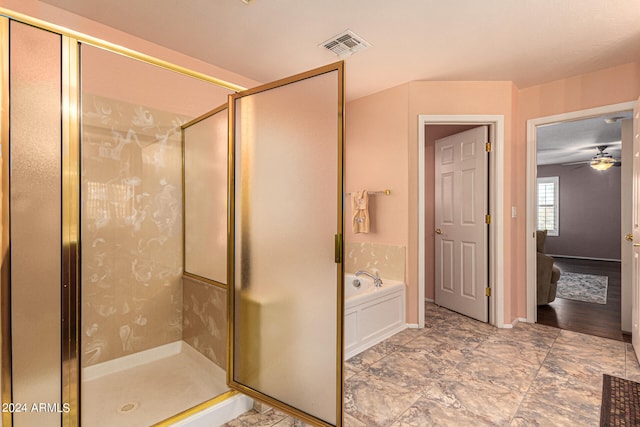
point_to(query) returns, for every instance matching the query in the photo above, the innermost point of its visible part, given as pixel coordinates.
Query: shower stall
(93, 176)
(147, 331)
(151, 258)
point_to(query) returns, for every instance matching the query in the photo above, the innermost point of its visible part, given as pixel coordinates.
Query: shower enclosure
(102, 328)
(140, 230)
(146, 333)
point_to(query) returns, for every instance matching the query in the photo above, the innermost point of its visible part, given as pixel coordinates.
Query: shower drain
(128, 407)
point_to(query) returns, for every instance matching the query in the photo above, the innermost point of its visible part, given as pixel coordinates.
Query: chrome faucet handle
(377, 280)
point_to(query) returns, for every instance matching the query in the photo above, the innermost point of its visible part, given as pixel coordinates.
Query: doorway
(461, 208)
(425, 210)
(560, 150)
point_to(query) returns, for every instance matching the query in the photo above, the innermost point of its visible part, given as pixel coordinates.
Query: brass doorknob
(629, 237)
(438, 231)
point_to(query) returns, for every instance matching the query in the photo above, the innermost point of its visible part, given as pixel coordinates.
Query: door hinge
(487, 291)
(487, 219)
(487, 147)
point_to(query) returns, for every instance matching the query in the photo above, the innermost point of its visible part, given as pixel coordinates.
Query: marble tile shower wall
(205, 319)
(131, 225)
(388, 260)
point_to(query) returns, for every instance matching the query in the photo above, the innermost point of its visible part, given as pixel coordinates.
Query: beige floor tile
(516, 376)
(460, 372)
(568, 392)
(257, 419)
(426, 412)
(413, 370)
(483, 401)
(536, 412)
(375, 402)
(632, 368)
(510, 351)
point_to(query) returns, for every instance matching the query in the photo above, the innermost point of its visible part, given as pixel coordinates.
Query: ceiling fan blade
(583, 162)
(618, 163)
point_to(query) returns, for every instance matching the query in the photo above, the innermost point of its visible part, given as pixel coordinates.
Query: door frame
(532, 124)
(337, 245)
(496, 206)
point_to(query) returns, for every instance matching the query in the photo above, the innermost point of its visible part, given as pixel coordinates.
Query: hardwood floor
(603, 320)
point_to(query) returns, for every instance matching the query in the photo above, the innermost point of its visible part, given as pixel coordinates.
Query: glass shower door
(285, 288)
(205, 175)
(152, 344)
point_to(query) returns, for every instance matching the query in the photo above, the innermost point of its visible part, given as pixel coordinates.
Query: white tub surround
(372, 314)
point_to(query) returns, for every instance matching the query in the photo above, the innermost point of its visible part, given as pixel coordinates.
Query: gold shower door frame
(5, 273)
(70, 346)
(68, 138)
(252, 318)
(70, 185)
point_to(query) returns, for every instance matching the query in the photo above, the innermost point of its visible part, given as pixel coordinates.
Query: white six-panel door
(461, 207)
(635, 274)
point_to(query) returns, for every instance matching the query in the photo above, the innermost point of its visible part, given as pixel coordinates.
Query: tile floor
(460, 372)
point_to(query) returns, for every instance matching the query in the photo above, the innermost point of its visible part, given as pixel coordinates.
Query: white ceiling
(524, 41)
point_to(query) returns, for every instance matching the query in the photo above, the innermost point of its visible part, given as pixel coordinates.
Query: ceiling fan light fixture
(602, 163)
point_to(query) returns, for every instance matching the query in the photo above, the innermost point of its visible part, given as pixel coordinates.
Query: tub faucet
(376, 279)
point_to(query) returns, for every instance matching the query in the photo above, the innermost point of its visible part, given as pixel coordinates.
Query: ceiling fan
(601, 161)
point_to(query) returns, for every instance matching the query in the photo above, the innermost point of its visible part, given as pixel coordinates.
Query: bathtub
(371, 314)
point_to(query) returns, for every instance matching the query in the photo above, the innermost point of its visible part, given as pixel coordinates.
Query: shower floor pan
(151, 386)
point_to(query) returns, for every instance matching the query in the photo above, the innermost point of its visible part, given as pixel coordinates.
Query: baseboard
(429, 300)
(413, 325)
(584, 257)
(518, 320)
(512, 324)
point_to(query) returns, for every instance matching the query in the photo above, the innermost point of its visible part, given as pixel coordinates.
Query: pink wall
(384, 121)
(600, 88)
(60, 17)
(376, 134)
(604, 87)
(457, 98)
(382, 146)
(117, 77)
(127, 79)
(376, 159)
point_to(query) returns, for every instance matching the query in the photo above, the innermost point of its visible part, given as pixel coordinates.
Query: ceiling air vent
(345, 44)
